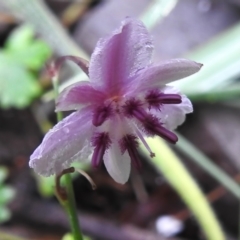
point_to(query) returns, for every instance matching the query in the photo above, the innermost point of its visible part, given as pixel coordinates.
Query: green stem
(177, 175)
(69, 204)
(70, 207)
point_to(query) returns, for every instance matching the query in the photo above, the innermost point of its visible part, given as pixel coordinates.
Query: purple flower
(125, 99)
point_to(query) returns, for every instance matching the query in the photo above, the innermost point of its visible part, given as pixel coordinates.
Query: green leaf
(25, 50)
(22, 53)
(20, 38)
(33, 56)
(7, 194)
(5, 214)
(17, 85)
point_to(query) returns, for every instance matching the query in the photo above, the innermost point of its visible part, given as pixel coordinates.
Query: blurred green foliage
(6, 195)
(20, 60)
(68, 236)
(218, 80)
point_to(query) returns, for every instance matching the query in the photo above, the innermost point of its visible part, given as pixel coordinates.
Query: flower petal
(68, 141)
(78, 95)
(119, 56)
(163, 73)
(173, 115)
(117, 164)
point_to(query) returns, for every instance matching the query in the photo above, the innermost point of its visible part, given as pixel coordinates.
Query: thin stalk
(180, 179)
(203, 161)
(70, 207)
(68, 204)
(56, 92)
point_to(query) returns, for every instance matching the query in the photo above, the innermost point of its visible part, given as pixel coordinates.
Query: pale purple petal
(163, 73)
(68, 141)
(78, 95)
(117, 164)
(173, 115)
(119, 56)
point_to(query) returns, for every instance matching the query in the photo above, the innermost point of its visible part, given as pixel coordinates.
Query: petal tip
(200, 65)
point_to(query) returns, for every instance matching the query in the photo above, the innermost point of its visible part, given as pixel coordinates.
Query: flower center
(115, 98)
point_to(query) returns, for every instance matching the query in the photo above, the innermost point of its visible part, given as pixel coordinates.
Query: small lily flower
(125, 99)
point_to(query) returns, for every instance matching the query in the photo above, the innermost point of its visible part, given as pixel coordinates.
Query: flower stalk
(70, 207)
(177, 175)
(69, 203)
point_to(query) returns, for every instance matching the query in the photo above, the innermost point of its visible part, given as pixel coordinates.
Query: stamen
(101, 142)
(166, 134)
(100, 115)
(170, 99)
(156, 98)
(152, 154)
(133, 108)
(129, 142)
(153, 126)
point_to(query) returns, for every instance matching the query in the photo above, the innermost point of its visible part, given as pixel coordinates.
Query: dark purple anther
(129, 142)
(153, 126)
(166, 134)
(100, 115)
(139, 113)
(101, 142)
(133, 108)
(155, 98)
